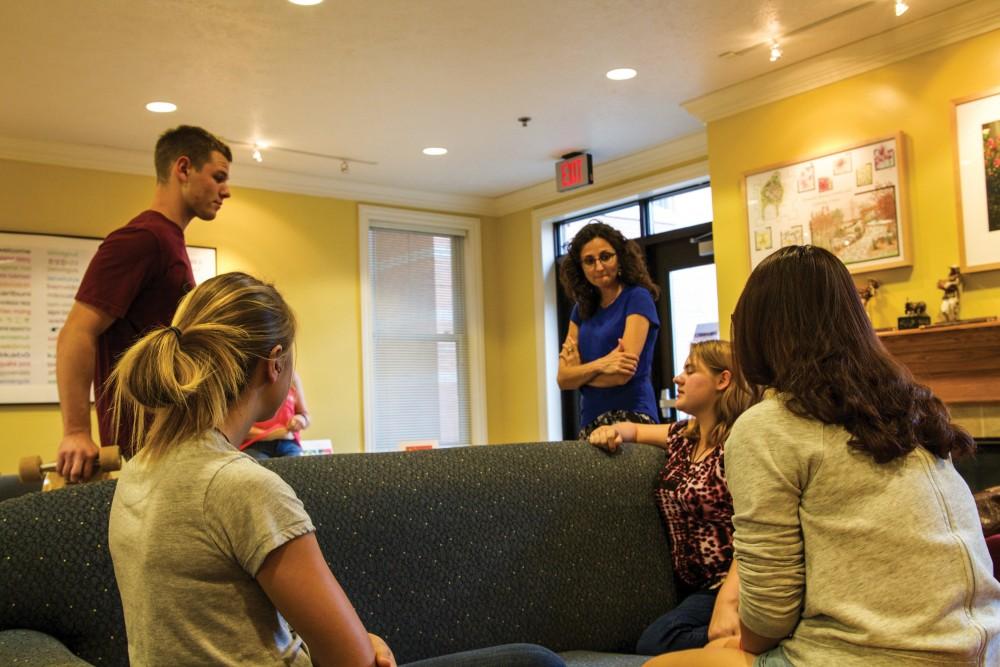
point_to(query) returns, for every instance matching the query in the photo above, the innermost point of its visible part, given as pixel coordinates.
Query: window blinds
(420, 347)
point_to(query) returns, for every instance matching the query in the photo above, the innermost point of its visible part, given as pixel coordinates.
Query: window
(421, 330)
(653, 215)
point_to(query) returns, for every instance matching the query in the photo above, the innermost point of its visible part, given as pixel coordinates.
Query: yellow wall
(509, 297)
(913, 96)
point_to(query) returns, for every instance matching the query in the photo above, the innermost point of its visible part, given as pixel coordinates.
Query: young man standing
(133, 284)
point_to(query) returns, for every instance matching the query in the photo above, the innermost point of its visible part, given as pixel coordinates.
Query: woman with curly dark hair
(857, 542)
(608, 351)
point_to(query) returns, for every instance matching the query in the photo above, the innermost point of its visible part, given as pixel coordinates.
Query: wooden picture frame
(976, 128)
(851, 201)
(40, 274)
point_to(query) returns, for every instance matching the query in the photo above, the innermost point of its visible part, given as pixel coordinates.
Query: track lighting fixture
(775, 50)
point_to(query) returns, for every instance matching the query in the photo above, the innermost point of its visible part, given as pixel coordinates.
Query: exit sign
(574, 171)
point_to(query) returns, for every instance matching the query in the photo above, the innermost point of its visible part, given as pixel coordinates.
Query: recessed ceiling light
(161, 107)
(775, 51)
(435, 150)
(305, 3)
(621, 74)
(901, 7)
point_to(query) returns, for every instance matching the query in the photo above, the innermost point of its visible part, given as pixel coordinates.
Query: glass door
(682, 263)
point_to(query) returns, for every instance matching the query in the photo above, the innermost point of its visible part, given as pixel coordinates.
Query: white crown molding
(933, 32)
(106, 158)
(678, 151)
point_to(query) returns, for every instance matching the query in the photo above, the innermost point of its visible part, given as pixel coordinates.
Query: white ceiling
(379, 80)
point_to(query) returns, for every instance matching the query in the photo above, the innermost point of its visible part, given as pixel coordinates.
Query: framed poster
(850, 201)
(977, 171)
(39, 276)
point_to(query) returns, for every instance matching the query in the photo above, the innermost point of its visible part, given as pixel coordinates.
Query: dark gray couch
(440, 551)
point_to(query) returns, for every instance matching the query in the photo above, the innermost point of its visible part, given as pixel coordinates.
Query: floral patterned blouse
(696, 506)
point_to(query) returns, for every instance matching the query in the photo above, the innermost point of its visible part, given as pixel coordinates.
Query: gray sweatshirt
(861, 563)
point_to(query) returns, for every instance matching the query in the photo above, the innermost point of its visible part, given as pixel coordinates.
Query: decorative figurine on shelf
(869, 296)
(916, 315)
(950, 300)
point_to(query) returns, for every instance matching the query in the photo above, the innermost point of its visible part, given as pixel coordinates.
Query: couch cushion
(56, 572)
(442, 551)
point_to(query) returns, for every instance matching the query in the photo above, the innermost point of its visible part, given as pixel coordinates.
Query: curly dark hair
(631, 265)
(800, 328)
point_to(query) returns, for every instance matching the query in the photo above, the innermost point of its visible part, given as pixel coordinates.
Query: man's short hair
(194, 142)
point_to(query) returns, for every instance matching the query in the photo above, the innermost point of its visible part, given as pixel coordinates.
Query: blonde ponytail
(185, 377)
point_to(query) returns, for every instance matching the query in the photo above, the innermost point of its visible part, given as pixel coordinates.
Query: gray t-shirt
(188, 533)
(865, 564)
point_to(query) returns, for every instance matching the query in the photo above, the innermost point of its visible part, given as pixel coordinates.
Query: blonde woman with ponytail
(693, 499)
(212, 551)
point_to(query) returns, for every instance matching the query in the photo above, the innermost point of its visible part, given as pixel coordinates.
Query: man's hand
(383, 654)
(76, 457)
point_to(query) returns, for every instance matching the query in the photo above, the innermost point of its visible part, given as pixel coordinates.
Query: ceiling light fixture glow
(305, 3)
(161, 107)
(256, 155)
(621, 74)
(775, 51)
(435, 150)
(901, 7)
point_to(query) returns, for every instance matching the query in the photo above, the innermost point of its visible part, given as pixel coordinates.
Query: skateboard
(31, 469)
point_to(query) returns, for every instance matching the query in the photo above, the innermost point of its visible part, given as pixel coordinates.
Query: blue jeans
(507, 655)
(773, 658)
(273, 449)
(683, 627)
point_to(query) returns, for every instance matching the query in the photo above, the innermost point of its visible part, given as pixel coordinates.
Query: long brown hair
(800, 328)
(187, 376)
(717, 356)
(631, 265)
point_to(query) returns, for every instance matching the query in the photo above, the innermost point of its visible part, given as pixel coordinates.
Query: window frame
(432, 223)
(644, 204)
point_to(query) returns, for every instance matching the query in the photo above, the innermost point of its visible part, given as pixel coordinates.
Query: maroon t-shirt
(138, 276)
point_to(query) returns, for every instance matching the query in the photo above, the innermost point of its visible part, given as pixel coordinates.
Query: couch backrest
(440, 551)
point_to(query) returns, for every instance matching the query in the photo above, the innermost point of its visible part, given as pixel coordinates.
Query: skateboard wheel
(110, 458)
(30, 469)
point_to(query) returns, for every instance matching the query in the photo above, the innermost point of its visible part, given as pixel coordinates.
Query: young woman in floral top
(693, 499)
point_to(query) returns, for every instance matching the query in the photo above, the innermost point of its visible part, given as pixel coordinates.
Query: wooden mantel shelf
(960, 363)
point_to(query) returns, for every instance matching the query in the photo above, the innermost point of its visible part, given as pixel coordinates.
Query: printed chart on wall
(849, 202)
(39, 276)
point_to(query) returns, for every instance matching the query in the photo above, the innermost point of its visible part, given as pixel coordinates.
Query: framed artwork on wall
(850, 201)
(977, 172)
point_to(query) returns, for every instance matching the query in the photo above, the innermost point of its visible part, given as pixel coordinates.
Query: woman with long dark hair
(608, 350)
(857, 542)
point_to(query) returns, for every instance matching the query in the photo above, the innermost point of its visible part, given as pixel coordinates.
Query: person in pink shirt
(279, 435)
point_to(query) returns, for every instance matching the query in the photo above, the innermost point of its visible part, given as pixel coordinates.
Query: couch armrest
(29, 647)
